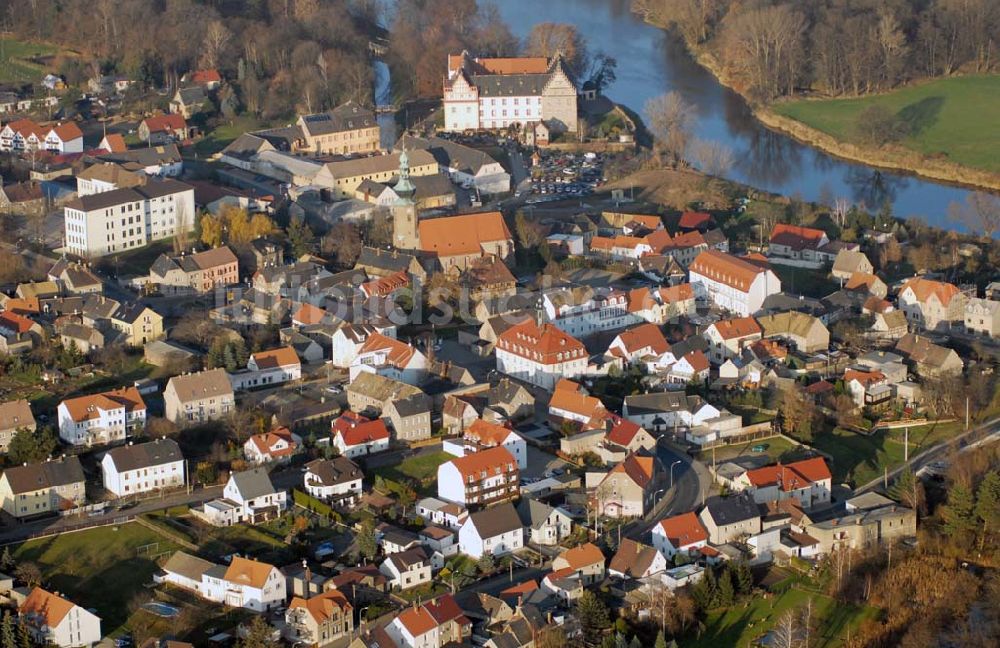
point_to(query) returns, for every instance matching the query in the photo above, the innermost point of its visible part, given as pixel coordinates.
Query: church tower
(404, 210)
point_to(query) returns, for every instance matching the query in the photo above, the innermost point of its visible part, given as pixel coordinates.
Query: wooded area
(837, 47)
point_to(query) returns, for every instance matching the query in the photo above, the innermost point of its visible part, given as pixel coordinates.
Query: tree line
(837, 47)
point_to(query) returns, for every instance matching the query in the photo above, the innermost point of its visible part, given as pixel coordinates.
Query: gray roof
(145, 455)
(405, 559)
(447, 153)
(534, 513)
(334, 471)
(672, 401)
(253, 483)
(188, 566)
(152, 189)
(81, 332)
(195, 95)
(99, 307)
(414, 405)
(349, 116)
(164, 154)
(129, 312)
(48, 474)
(204, 384)
(730, 510)
(496, 520)
(247, 145)
(389, 261)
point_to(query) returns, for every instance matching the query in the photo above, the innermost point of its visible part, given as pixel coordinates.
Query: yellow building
(139, 323)
(348, 128)
(40, 488)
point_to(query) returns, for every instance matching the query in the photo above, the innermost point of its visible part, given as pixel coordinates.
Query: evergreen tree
(367, 545)
(6, 560)
(216, 353)
(229, 358)
(958, 515)
(8, 631)
(593, 613)
(636, 642)
(23, 636)
(908, 489)
(300, 237)
(661, 641)
(988, 505)
(726, 594)
(743, 576)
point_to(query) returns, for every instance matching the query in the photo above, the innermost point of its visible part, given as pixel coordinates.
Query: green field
(957, 117)
(223, 135)
(101, 568)
(16, 65)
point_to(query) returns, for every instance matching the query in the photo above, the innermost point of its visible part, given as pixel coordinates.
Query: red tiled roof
(796, 236)
(622, 431)
(309, 314)
(462, 235)
(266, 441)
(165, 123)
(694, 220)
(545, 345)
(737, 328)
(16, 322)
(924, 288)
(274, 358)
(697, 359)
(204, 77)
(398, 353)
(642, 336)
(792, 476)
(683, 530)
(583, 556)
(866, 378)
(473, 465)
(638, 468)
(84, 408)
(116, 142)
(486, 433)
(358, 430)
(726, 269)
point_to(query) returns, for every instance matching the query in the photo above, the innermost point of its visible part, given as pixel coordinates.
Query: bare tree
(671, 118)
(217, 37)
(549, 39)
(841, 207)
(765, 44)
(981, 213)
(787, 633)
(714, 158)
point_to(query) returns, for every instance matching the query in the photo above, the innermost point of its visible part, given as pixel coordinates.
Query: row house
(26, 135)
(481, 478)
(434, 624)
(198, 273)
(731, 283)
(101, 418)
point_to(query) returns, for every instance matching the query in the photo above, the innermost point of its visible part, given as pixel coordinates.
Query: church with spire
(404, 209)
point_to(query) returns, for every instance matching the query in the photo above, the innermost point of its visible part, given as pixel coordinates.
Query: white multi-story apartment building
(101, 418)
(493, 93)
(124, 219)
(144, 467)
(483, 478)
(583, 311)
(540, 355)
(732, 283)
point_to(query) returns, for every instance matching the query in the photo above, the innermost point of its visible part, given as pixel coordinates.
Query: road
(285, 479)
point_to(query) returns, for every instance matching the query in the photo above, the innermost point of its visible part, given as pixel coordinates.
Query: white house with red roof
(26, 135)
(52, 620)
(386, 356)
(664, 304)
(731, 283)
(101, 418)
(433, 624)
(643, 344)
(931, 305)
(65, 137)
(481, 478)
(865, 386)
(268, 369)
(808, 482)
(571, 402)
(728, 337)
(679, 534)
(276, 445)
(627, 489)
(798, 243)
(540, 354)
(481, 435)
(356, 436)
(692, 367)
(347, 341)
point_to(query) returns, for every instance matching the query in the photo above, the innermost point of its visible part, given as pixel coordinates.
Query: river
(383, 97)
(651, 62)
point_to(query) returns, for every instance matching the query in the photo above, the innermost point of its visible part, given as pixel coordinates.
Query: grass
(742, 625)
(98, 568)
(777, 448)
(955, 117)
(804, 281)
(222, 135)
(421, 469)
(858, 459)
(16, 66)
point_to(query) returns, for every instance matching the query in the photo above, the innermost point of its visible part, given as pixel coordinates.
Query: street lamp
(672, 472)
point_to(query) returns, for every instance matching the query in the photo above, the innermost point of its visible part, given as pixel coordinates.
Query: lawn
(777, 448)
(742, 625)
(16, 66)
(858, 459)
(421, 468)
(99, 568)
(804, 281)
(956, 116)
(222, 135)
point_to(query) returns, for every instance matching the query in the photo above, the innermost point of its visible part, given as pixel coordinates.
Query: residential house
(407, 569)
(731, 283)
(200, 272)
(982, 317)
(347, 129)
(53, 620)
(931, 305)
(797, 243)
(107, 176)
(582, 311)
(277, 445)
(464, 165)
(143, 467)
(587, 560)
(564, 584)
(628, 489)
(868, 283)
(504, 402)
(406, 409)
(164, 129)
(930, 360)
(337, 480)
(136, 324)
(850, 262)
(808, 482)
(75, 278)
(357, 436)
(666, 411)
(546, 525)
(889, 327)
(245, 583)
(434, 624)
(320, 620)
(481, 435)
(636, 561)
(188, 102)
(101, 418)
(494, 531)
(727, 519)
(540, 354)
(485, 477)
(199, 397)
(389, 357)
(15, 416)
(267, 369)
(806, 332)
(248, 496)
(47, 487)
(728, 337)
(65, 137)
(682, 534)
(863, 528)
(867, 388)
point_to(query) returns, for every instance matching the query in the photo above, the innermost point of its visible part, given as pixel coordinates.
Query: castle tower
(404, 210)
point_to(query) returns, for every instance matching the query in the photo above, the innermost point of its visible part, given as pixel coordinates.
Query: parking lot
(565, 175)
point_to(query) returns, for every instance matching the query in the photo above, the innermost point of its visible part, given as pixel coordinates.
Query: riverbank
(890, 157)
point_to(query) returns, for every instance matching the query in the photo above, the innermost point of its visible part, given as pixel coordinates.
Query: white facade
(253, 377)
(97, 228)
(734, 299)
(141, 480)
(599, 313)
(78, 627)
(537, 373)
(102, 425)
(472, 544)
(359, 449)
(662, 543)
(315, 487)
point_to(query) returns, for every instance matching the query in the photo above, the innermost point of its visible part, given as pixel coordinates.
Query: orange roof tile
(638, 468)
(583, 556)
(16, 322)
(116, 142)
(860, 280)
(356, 433)
(546, 345)
(266, 441)
(692, 220)
(382, 286)
(642, 336)
(602, 243)
(67, 131)
(309, 314)
(321, 606)
(165, 123)
(398, 354)
(417, 621)
(464, 234)
(622, 430)
(84, 408)
(796, 236)
(22, 306)
(697, 359)
(793, 476)
(203, 77)
(678, 293)
(489, 461)
(248, 572)
(274, 358)
(486, 433)
(683, 530)
(737, 328)
(866, 378)
(505, 65)
(924, 288)
(687, 240)
(726, 269)
(576, 402)
(46, 606)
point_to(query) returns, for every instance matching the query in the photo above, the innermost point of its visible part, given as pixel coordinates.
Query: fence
(167, 532)
(83, 526)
